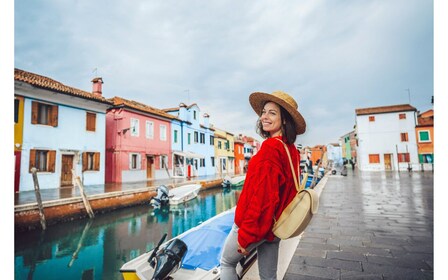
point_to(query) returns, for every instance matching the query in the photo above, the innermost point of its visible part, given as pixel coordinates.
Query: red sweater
(268, 188)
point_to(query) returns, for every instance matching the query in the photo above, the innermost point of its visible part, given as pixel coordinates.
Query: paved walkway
(370, 225)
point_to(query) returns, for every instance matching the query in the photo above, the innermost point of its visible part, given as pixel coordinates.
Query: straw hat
(258, 99)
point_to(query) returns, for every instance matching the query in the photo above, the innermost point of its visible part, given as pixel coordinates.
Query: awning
(188, 154)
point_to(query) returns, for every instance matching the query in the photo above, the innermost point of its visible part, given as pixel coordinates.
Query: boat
(195, 254)
(237, 181)
(183, 193)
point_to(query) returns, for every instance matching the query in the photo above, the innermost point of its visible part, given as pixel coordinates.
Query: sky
(331, 56)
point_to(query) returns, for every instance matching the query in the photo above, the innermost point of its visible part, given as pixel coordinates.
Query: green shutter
(424, 135)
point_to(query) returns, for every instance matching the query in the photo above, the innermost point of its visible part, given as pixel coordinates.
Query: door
(66, 170)
(149, 167)
(388, 162)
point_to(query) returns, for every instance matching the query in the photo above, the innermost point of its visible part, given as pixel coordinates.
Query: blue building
(64, 129)
(192, 142)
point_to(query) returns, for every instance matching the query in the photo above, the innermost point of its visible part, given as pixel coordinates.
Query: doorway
(66, 170)
(388, 162)
(149, 167)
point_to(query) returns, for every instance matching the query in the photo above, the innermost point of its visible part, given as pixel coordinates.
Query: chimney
(206, 120)
(183, 111)
(97, 86)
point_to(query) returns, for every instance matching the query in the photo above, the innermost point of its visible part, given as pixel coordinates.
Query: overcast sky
(332, 56)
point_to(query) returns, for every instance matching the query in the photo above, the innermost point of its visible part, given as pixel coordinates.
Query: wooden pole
(38, 198)
(83, 194)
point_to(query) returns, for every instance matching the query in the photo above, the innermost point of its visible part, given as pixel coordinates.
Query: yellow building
(18, 138)
(224, 152)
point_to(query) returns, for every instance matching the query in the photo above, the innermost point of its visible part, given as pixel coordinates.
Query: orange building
(239, 154)
(425, 139)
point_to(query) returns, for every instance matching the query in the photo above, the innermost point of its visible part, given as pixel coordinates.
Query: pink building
(138, 142)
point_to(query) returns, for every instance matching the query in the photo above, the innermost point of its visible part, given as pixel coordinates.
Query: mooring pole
(38, 198)
(83, 194)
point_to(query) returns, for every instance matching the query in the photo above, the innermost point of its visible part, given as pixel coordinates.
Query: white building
(386, 138)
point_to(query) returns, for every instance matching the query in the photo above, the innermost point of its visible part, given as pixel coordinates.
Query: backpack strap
(296, 183)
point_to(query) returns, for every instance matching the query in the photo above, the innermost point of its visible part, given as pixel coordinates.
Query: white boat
(237, 181)
(195, 254)
(183, 193)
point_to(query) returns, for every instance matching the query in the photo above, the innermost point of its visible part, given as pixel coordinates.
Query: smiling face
(271, 119)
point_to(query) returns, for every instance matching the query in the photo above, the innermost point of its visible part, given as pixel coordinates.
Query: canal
(97, 248)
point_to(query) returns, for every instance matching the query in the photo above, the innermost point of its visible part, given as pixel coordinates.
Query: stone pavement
(370, 225)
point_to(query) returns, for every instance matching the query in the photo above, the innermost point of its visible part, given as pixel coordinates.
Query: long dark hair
(288, 127)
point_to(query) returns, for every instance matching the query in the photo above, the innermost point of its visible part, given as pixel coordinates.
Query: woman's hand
(242, 250)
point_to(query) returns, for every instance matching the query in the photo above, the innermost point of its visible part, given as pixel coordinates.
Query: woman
(269, 185)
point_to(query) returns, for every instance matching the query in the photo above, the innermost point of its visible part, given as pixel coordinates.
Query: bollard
(83, 194)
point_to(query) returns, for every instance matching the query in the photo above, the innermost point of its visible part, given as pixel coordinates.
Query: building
(138, 142)
(386, 138)
(239, 154)
(58, 129)
(425, 139)
(193, 141)
(224, 152)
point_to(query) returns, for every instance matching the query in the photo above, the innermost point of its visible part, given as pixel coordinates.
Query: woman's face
(271, 119)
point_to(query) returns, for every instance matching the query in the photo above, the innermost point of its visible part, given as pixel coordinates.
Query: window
(371, 118)
(175, 136)
(402, 116)
(213, 161)
(219, 144)
(202, 162)
(189, 138)
(374, 158)
(196, 136)
(134, 161)
(90, 121)
(135, 127)
(42, 160)
(423, 136)
(163, 132)
(212, 140)
(45, 114)
(404, 137)
(163, 161)
(426, 158)
(149, 131)
(16, 110)
(90, 161)
(403, 157)
(194, 114)
(202, 138)
(227, 145)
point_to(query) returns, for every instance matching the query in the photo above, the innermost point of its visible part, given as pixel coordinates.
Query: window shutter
(96, 161)
(34, 110)
(54, 115)
(130, 161)
(51, 161)
(84, 161)
(32, 159)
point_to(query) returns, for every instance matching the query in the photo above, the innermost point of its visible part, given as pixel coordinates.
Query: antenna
(409, 95)
(95, 70)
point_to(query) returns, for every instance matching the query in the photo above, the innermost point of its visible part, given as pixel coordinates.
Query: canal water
(97, 248)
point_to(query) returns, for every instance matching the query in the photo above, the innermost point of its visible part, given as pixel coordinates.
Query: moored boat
(237, 181)
(183, 193)
(201, 261)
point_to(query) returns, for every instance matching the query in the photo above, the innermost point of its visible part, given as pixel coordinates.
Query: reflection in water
(96, 249)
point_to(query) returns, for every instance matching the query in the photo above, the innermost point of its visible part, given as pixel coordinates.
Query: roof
(117, 101)
(50, 84)
(178, 107)
(385, 109)
(426, 118)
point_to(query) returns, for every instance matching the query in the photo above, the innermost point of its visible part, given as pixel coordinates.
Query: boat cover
(205, 244)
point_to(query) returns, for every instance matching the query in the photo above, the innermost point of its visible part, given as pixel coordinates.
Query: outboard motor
(226, 182)
(161, 198)
(168, 260)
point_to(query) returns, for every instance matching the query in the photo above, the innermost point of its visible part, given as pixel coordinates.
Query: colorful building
(138, 142)
(63, 130)
(18, 138)
(386, 138)
(239, 154)
(425, 139)
(193, 138)
(224, 152)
